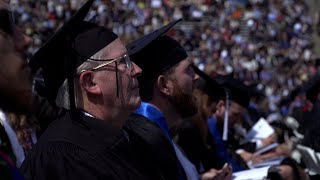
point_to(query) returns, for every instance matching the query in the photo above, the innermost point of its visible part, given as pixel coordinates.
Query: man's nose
(136, 71)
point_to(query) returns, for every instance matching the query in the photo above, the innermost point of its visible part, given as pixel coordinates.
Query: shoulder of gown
(81, 149)
(152, 148)
(63, 160)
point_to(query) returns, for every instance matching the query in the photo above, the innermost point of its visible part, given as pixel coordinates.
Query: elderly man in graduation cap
(86, 70)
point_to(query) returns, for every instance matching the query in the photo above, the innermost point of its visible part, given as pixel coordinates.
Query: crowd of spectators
(266, 43)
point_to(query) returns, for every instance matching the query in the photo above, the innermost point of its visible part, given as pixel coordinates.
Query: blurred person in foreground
(87, 71)
(15, 76)
(22, 110)
(15, 89)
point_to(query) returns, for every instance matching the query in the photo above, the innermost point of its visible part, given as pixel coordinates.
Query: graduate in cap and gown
(166, 87)
(193, 134)
(229, 112)
(86, 70)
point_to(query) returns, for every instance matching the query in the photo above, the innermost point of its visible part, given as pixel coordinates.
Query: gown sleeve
(61, 160)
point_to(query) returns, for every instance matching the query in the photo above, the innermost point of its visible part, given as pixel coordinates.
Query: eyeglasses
(122, 63)
(7, 21)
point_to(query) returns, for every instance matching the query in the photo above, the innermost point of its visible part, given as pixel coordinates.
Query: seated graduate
(195, 137)
(229, 112)
(166, 91)
(86, 70)
(226, 124)
(193, 133)
(166, 88)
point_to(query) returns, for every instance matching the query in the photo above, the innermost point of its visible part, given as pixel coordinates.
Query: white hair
(63, 99)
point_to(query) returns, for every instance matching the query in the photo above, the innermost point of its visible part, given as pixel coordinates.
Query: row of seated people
(203, 152)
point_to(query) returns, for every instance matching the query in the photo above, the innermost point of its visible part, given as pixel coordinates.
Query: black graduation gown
(311, 128)
(149, 143)
(310, 119)
(84, 148)
(45, 112)
(200, 154)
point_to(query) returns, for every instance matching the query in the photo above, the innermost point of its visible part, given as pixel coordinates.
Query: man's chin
(186, 106)
(134, 103)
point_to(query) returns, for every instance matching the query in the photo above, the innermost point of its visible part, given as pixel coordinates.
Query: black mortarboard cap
(69, 47)
(208, 85)
(236, 89)
(155, 53)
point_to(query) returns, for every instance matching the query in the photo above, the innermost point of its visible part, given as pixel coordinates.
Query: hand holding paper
(223, 174)
(260, 130)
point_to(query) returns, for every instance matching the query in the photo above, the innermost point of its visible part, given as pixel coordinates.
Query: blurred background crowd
(267, 44)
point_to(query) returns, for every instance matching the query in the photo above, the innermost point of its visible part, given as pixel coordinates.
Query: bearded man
(166, 88)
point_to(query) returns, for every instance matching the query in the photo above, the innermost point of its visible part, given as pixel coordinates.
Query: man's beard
(185, 104)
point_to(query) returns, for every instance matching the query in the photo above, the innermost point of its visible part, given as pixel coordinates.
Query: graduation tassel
(226, 118)
(70, 65)
(117, 80)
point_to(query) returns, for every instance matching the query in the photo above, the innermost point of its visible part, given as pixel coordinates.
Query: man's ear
(86, 80)
(163, 84)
